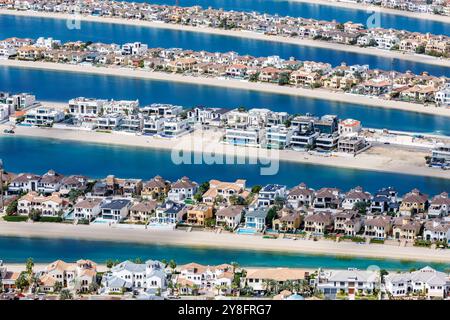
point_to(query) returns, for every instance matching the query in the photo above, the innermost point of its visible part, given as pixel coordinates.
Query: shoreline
(239, 34)
(366, 7)
(232, 84)
(204, 239)
(375, 159)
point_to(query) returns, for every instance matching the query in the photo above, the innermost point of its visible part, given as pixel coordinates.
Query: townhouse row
(154, 278)
(356, 79)
(234, 207)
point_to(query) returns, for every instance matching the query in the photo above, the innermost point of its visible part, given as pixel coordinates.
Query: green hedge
(378, 241)
(422, 243)
(50, 219)
(15, 218)
(358, 239)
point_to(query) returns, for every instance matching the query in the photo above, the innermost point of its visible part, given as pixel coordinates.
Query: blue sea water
(62, 86)
(17, 250)
(38, 155)
(32, 27)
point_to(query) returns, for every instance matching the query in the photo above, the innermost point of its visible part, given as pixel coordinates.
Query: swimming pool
(246, 231)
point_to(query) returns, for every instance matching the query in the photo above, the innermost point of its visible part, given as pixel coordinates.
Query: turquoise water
(11, 26)
(39, 155)
(17, 250)
(62, 86)
(314, 11)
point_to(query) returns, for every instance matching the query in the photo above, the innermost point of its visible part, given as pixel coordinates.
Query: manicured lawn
(50, 219)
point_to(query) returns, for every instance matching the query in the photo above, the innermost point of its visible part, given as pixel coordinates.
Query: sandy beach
(221, 240)
(241, 34)
(233, 84)
(370, 8)
(207, 143)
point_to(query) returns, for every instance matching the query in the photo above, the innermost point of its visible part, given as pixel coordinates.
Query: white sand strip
(220, 241)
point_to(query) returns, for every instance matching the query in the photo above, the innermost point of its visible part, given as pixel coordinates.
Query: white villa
(427, 281)
(149, 277)
(350, 281)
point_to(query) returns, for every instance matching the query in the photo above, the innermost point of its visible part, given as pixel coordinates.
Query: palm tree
(235, 266)
(172, 265)
(65, 295)
(29, 268)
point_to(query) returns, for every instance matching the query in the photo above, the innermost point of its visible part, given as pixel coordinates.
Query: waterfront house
(287, 221)
(303, 140)
(426, 281)
(182, 190)
(352, 145)
(50, 182)
(230, 216)
(271, 193)
(51, 206)
(99, 189)
(199, 215)
(349, 127)
(74, 276)
(224, 190)
(18, 101)
(24, 182)
(127, 275)
(143, 211)
(73, 182)
(30, 53)
(132, 123)
(406, 229)
(109, 121)
(260, 279)
(413, 202)
(385, 200)
(348, 223)
(125, 107)
(303, 78)
(354, 197)
(326, 142)
(439, 206)
(162, 110)
(115, 210)
(124, 187)
(86, 107)
(255, 219)
(300, 196)
(243, 135)
(442, 96)
(318, 223)
(155, 188)
(153, 125)
(436, 230)
(278, 137)
(327, 198)
(43, 116)
(351, 282)
(87, 209)
(378, 227)
(205, 278)
(7, 278)
(440, 154)
(169, 213)
(208, 116)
